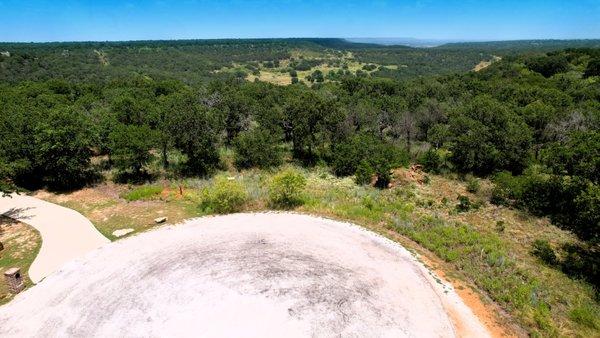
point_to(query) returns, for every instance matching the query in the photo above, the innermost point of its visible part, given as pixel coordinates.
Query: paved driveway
(65, 233)
(244, 275)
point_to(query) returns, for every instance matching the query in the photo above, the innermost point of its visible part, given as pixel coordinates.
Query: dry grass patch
(21, 245)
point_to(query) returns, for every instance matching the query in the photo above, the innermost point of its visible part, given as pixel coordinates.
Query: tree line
(529, 122)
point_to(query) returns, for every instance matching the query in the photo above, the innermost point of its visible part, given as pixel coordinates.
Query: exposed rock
(122, 232)
(160, 220)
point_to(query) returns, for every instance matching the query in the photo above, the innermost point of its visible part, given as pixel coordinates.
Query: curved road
(65, 233)
(244, 275)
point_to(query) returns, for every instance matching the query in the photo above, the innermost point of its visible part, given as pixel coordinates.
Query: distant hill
(194, 61)
(411, 42)
(520, 46)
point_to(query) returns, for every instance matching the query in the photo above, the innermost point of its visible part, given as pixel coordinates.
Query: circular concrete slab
(244, 275)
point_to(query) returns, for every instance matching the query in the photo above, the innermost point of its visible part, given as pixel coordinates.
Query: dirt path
(66, 234)
(244, 275)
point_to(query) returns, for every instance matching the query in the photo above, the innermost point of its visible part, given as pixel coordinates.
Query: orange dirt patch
(491, 315)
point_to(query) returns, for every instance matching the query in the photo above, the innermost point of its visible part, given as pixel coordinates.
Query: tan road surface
(244, 275)
(65, 233)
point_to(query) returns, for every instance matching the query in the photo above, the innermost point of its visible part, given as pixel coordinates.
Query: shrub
(144, 193)
(543, 250)
(364, 173)
(582, 261)
(224, 196)
(369, 67)
(500, 226)
(464, 204)
(426, 179)
(383, 170)
(506, 188)
(380, 156)
(472, 185)
(286, 189)
(431, 161)
(257, 148)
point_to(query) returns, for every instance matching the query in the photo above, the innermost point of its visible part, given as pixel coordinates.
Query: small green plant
(472, 185)
(464, 204)
(368, 202)
(143, 193)
(586, 315)
(426, 179)
(543, 250)
(286, 189)
(224, 196)
(500, 226)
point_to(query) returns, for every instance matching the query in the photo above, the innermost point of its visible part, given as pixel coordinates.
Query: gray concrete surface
(243, 275)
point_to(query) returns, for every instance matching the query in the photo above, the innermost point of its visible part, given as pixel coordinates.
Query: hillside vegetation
(521, 136)
(196, 61)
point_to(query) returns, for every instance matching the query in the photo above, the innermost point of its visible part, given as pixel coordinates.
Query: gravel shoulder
(244, 275)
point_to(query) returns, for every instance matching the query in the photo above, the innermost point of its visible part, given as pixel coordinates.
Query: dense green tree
(579, 155)
(593, 67)
(257, 148)
(196, 129)
(130, 147)
(549, 65)
(310, 121)
(488, 138)
(63, 144)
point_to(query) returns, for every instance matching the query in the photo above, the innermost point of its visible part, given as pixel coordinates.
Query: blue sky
(70, 20)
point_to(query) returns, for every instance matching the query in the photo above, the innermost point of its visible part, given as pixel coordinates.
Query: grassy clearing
(21, 245)
(487, 246)
(281, 76)
(144, 193)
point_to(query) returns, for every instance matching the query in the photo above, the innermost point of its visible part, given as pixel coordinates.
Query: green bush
(464, 204)
(372, 154)
(224, 196)
(431, 161)
(472, 185)
(500, 226)
(364, 173)
(507, 188)
(543, 250)
(286, 189)
(257, 148)
(347, 155)
(144, 193)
